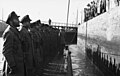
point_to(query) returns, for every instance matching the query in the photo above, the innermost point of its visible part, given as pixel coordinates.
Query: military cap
(11, 16)
(38, 21)
(33, 24)
(25, 19)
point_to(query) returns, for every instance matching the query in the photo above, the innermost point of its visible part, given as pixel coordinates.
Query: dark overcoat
(13, 52)
(27, 45)
(38, 51)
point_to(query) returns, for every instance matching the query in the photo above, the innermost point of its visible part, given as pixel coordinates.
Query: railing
(106, 65)
(58, 23)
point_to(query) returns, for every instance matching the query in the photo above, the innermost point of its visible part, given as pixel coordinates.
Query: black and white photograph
(59, 37)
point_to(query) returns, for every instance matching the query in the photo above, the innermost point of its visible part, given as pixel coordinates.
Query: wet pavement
(81, 65)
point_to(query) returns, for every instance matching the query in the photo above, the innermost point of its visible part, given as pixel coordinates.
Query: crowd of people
(94, 9)
(29, 47)
(97, 7)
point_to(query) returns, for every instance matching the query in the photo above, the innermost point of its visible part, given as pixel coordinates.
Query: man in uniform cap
(27, 45)
(38, 21)
(12, 50)
(26, 22)
(26, 19)
(12, 16)
(38, 51)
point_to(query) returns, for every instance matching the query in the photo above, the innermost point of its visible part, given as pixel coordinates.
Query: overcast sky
(43, 9)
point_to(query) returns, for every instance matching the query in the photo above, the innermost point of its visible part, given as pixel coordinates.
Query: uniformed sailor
(38, 51)
(12, 47)
(27, 45)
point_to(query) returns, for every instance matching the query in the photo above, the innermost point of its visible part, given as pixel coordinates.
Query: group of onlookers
(92, 9)
(97, 7)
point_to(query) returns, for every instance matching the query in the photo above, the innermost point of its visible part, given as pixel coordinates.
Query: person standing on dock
(49, 21)
(12, 49)
(37, 44)
(27, 45)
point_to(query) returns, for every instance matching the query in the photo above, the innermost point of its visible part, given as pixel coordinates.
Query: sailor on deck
(27, 45)
(38, 51)
(12, 49)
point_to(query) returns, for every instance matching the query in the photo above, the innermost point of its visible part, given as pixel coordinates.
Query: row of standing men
(29, 47)
(94, 9)
(97, 7)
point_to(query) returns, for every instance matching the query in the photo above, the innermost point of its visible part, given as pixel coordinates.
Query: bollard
(118, 70)
(114, 61)
(94, 57)
(114, 67)
(107, 62)
(110, 65)
(104, 59)
(99, 59)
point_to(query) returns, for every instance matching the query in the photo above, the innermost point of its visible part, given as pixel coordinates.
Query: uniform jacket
(28, 50)
(12, 51)
(37, 43)
(38, 51)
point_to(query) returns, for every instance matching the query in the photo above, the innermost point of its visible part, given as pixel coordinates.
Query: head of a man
(35, 25)
(13, 19)
(26, 21)
(38, 23)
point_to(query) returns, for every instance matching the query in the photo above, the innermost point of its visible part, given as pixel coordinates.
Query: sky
(56, 10)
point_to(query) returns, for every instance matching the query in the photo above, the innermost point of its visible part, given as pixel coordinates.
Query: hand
(13, 70)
